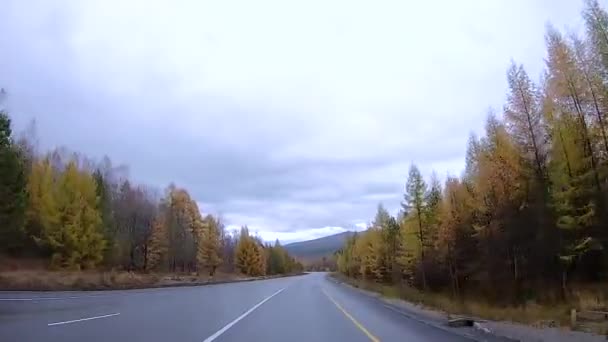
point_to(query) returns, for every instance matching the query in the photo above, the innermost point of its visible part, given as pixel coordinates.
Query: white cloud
(289, 117)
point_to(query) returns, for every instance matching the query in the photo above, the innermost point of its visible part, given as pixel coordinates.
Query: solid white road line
(229, 325)
(83, 319)
(35, 299)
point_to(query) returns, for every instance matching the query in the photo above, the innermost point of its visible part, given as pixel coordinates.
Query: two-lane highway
(306, 308)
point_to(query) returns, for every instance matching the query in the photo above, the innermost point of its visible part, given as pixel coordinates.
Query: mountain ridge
(318, 248)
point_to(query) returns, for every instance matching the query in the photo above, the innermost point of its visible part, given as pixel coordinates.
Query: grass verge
(46, 280)
(532, 313)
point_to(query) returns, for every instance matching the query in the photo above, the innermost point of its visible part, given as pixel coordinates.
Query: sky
(294, 117)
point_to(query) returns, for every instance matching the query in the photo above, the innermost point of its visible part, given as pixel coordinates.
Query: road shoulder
(482, 329)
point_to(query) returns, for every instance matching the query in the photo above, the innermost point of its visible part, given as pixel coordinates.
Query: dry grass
(591, 297)
(531, 313)
(583, 297)
(42, 280)
(34, 274)
(71, 280)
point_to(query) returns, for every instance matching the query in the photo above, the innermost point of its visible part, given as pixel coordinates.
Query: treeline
(324, 264)
(528, 218)
(82, 215)
(253, 257)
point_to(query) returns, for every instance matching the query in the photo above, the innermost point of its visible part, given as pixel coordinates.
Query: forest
(79, 214)
(528, 217)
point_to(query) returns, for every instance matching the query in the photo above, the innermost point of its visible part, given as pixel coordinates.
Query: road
(305, 308)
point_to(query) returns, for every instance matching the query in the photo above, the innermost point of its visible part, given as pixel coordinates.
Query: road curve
(306, 308)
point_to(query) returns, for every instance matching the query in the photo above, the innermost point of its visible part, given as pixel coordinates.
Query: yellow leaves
(371, 251)
(42, 211)
(63, 207)
(158, 244)
(409, 247)
(208, 244)
(185, 210)
(181, 235)
(499, 176)
(250, 258)
(456, 210)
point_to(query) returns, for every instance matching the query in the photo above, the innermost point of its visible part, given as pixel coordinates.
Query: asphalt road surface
(304, 308)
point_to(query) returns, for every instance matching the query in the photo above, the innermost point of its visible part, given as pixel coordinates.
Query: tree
(133, 213)
(596, 20)
(63, 214)
(157, 253)
(209, 244)
(456, 236)
(389, 230)
(566, 88)
(594, 90)
(500, 190)
(371, 251)
(228, 247)
(431, 212)
(42, 213)
(347, 260)
(249, 255)
(12, 190)
(80, 221)
(530, 206)
(415, 204)
(104, 194)
(183, 222)
(278, 259)
(523, 119)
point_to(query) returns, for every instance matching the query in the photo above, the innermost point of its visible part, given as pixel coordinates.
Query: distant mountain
(318, 248)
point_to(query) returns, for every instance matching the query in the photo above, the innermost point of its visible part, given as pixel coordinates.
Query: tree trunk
(598, 113)
(422, 267)
(132, 258)
(586, 138)
(539, 169)
(516, 280)
(145, 257)
(453, 278)
(564, 284)
(457, 281)
(565, 151)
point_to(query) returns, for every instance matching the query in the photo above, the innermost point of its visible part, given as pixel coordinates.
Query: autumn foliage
(528, 217)
(79, 214)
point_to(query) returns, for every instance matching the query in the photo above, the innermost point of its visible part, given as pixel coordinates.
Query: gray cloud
(296, 129)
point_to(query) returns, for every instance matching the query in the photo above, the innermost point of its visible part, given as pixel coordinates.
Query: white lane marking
(229, 325)
(35, 299)
(83, 319)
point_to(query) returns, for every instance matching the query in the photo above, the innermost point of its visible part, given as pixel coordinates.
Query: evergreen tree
(415, 204)
(13, 195)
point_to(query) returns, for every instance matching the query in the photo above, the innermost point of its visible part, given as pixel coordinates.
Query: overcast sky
(294, 117)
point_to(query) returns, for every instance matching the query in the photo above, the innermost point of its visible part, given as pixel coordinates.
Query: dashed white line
(229, 325)
(83, 319)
